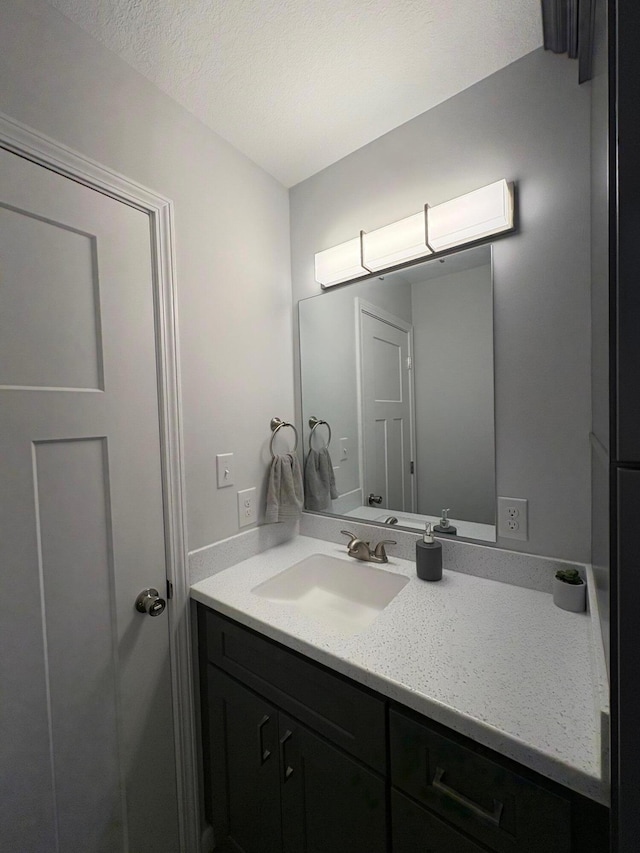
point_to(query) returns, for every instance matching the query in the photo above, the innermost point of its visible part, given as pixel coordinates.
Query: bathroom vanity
(445, 724)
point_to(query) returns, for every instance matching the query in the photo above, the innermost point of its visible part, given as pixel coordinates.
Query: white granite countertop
(498, 663)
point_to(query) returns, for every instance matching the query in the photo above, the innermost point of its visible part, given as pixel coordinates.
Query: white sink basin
(345, 595)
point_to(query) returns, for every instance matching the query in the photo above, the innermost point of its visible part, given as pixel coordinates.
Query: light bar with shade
(397, 243)
(478, 214)
(469, 218)
(340, 263)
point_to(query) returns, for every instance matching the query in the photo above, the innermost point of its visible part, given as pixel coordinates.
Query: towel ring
(314, 423)
(276, 425)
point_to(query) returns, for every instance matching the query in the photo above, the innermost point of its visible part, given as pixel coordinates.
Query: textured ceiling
(299, 84)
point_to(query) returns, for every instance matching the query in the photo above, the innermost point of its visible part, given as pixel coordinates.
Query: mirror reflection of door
(386, 407)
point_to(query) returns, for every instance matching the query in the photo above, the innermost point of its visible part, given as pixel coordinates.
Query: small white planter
(569, 596)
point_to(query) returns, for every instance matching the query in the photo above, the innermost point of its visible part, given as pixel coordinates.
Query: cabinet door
(242, 764)
(417, 830)
(330, 802)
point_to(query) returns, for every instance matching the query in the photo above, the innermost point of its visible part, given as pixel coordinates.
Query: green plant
(571, 576)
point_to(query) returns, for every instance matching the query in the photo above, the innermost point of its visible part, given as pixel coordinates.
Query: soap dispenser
(445, 526)
(428, 556)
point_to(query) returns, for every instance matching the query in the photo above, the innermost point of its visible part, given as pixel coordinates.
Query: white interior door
(86, 731)
(386, 406)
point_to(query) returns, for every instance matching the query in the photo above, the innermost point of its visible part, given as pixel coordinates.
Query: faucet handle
(379, 550)
(355, 542)
(353, 536)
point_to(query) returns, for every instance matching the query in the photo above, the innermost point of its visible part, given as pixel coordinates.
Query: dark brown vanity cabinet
(301, 760)
(244, 776)
(276, 786)
(495, 806)
(309, 783)
(417, 830)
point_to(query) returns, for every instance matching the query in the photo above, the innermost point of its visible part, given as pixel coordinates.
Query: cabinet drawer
(487, 801)
(349, 717)
(417, 830)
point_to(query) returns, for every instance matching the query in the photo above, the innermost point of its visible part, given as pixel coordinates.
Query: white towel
(284, 489)
(319, 480)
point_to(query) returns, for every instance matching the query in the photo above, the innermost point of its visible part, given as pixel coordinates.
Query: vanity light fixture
(475, 216)
(398, 243)
(340, 263)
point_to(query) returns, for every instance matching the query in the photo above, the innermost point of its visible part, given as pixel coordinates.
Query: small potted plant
(569, 590)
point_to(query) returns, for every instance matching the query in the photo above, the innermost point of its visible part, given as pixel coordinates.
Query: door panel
(77, 568)
(43, 292)
(86, 735)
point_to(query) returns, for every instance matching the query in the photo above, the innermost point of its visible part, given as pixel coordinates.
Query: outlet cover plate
(247, 510)
(513, 522)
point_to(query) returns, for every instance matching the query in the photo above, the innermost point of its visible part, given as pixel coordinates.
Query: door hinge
(409, 362)
(412, 470)
(169, 589)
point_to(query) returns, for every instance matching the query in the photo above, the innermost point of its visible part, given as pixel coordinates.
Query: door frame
(364, 307)
(34, 146)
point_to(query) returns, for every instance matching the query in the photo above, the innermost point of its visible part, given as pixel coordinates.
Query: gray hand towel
(319, 480)
(284, 489)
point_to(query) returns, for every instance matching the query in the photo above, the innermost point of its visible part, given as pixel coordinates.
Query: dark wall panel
(626, 678)
(628, 188)
(600, 411)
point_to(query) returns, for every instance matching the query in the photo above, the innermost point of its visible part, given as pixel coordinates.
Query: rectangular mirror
(400, 368)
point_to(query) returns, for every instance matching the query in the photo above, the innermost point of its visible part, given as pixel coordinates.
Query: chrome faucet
(361, 550)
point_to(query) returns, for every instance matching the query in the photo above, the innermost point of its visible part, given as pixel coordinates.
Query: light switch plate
(247, 510)
(344, 449)
(224, 468)
(513, 518)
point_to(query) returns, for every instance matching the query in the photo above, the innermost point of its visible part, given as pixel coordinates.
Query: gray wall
(232, 233)
(453, 379)
(328, 364)
(528, 122)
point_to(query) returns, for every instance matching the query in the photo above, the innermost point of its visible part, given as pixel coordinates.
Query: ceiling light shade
(340, 263)
(471, 217)
(397, 243)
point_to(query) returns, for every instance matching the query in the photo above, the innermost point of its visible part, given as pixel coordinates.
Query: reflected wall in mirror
(400, 367)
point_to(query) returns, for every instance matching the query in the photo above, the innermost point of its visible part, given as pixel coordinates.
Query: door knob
(149, 602)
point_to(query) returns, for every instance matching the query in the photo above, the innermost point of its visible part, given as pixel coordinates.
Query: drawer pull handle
(489, 817)
(287, 770)
(264, 753)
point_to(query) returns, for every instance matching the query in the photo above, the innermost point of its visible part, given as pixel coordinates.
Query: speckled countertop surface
(498, 663)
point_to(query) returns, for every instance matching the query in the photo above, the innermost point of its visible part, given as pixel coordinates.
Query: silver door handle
(149, 602)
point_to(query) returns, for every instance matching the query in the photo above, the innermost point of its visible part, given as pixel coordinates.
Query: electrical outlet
(512, 518)
(224, 467)
(247, 510)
